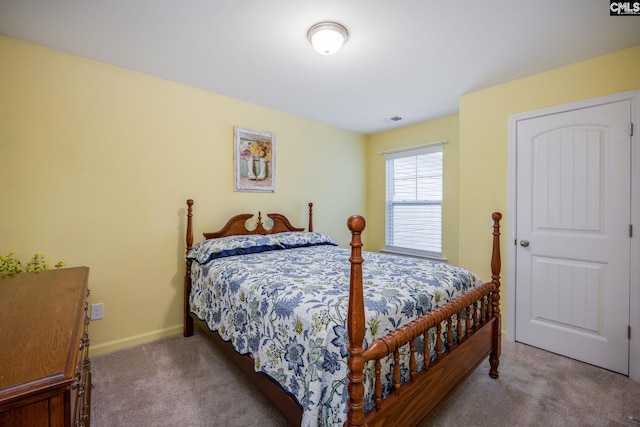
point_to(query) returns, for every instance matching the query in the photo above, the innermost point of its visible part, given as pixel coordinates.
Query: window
(414, 201)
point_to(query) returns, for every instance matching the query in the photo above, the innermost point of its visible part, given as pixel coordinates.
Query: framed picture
(254, 159)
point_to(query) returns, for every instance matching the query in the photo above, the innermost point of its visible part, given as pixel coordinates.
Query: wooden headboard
(237, 225)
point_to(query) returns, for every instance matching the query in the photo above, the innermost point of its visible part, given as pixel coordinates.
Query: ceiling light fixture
(327, 37)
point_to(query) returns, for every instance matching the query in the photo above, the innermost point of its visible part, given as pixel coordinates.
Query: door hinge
(630, 230)
(629, 332)
(631, 129)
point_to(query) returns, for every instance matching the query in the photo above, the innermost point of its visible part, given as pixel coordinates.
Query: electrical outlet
(97, 311)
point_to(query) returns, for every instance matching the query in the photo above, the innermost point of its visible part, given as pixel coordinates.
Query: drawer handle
(82, 421)
(77, 382)
(84, 342)
(81, 389)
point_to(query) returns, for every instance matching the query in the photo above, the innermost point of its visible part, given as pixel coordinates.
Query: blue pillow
(295, 239)
(232, 245)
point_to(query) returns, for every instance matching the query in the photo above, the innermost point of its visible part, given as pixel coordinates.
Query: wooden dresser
(45, 373)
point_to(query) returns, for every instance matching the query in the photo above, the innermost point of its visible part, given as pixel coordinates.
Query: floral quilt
(288, 309)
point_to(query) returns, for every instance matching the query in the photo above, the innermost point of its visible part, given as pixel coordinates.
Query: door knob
(524, 243)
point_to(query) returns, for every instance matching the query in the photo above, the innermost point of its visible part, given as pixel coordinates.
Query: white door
(573, 208)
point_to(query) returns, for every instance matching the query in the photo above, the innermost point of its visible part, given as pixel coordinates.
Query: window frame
(426, 149)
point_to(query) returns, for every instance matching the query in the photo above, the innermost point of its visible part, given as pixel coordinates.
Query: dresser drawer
(46, 377)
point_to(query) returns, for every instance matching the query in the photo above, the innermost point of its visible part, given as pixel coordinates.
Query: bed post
(188, 321)
(355, 327)
(310, 229)
(494, 358)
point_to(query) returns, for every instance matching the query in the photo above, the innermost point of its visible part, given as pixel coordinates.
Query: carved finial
(356, 223)
(259, 223)
(189, 234)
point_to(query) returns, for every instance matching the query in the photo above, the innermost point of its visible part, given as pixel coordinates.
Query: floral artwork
(254, 159)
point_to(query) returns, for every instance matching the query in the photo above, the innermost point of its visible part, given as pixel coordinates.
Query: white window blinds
(414, 201)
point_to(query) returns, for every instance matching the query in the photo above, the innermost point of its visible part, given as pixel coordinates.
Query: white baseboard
(114, 345)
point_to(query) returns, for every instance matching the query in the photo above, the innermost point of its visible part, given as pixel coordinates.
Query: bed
(328, 341)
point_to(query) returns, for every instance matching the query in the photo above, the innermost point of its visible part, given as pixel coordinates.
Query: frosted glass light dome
(327, 37)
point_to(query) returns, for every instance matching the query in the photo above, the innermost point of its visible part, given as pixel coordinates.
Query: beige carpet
(180, 381)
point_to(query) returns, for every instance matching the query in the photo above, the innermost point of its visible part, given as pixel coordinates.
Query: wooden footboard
(467, 330)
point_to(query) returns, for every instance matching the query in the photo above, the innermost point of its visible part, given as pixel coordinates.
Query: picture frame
(254, 157)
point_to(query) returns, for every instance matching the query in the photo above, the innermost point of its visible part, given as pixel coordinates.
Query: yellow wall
(96, 163)
(484, 122)
(436, 130)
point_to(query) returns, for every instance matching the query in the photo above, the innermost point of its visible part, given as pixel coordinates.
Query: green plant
(10, 265)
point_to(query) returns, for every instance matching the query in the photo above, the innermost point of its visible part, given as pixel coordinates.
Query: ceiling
(405, 58)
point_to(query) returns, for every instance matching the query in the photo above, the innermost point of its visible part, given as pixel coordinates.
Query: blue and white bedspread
(288, 308)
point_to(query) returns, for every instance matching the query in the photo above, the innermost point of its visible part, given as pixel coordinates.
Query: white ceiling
(406, 58)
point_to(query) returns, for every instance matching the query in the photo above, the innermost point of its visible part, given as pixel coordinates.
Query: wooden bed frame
(476, 336)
